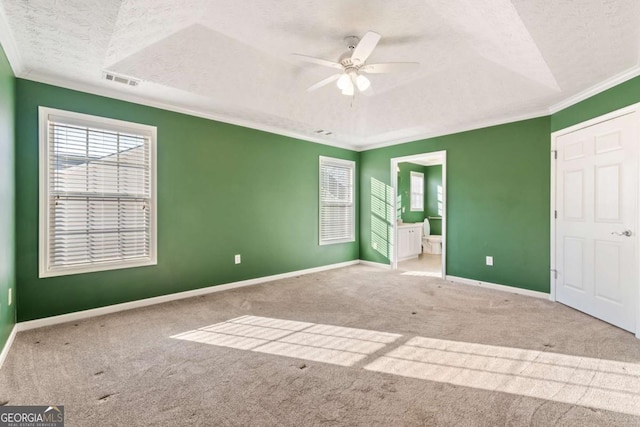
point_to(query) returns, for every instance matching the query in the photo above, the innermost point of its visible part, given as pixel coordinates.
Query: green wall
(222, 190)
(404, 192)
(497, 202)
(433, 180)
(7, 199)
(617, 97)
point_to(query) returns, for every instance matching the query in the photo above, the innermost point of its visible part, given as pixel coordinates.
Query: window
(417, 192)
(97, 193)
(337, 212)
(440, 200)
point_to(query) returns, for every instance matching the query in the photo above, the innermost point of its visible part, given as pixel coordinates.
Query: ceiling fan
(353, 65)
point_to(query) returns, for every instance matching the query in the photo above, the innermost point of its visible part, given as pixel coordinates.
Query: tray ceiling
(482, 62)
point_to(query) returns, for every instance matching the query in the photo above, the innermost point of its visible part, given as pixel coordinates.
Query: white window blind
(337, 211)
(98, 203)
(417, 191)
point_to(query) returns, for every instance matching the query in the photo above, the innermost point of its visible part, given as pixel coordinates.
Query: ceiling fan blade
(365, 47)
(324, 82)
(389, 67)
(318, 61)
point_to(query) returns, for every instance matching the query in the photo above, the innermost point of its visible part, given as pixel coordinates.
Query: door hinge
(555, 273)
(555, 154)
(555, 214)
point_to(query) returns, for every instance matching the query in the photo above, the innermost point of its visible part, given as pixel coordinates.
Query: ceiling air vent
(112, 77)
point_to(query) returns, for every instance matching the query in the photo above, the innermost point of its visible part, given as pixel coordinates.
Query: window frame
(415, 174)
(352, 167)
(69, 117)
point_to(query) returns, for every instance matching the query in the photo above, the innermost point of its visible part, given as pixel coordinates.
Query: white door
(596, 226)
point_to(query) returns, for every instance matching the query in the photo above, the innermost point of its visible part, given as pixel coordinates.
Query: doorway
(594, 244)
(419, 185)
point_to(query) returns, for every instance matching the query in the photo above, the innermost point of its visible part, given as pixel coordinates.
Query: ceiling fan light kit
(352, 65)
(346, 83)
(363, 83)
(343, 81)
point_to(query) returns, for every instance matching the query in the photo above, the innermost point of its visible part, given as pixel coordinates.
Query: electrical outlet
(237, 259)
(9, 297)
(490, 261)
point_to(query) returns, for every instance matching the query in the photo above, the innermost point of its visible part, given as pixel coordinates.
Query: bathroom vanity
(409, 240)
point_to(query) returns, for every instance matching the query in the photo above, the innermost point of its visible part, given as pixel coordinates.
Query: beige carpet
(356, 346)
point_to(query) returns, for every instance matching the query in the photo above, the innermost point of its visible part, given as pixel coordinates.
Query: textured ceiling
(482, 61)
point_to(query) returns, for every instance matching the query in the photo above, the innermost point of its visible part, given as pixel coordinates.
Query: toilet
(430, 244)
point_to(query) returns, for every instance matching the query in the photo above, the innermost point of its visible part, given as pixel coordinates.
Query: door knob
(627, 233)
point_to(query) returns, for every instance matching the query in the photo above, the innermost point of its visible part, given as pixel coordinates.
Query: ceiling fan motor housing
(348, 65)
(352, 42)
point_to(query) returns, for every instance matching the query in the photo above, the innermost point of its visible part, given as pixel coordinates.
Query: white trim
(352, 167)
(596, 89)
(224, 118)
(394, 185)
(85, 314)
(497, 287)
(136, 99)
(566, 103)
(376, 264)
(552, 216)
(594, 121)
(44, 116)
(8, 344)
(454, 130)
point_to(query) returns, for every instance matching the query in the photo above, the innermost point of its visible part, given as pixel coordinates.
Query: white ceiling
(482, 61)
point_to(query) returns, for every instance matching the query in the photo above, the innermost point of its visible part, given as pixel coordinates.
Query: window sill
(94, 268)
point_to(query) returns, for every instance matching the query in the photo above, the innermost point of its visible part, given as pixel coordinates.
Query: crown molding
(457, 129)
(596, 89)
(136, 99)
(122, 96)
(9, 45)
(568, 102)
(359, 147)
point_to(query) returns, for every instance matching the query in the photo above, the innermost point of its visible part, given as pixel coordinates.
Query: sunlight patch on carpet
(596, 383)
(320, 343)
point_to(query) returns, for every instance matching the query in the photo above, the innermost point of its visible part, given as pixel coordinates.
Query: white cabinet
(409, 240)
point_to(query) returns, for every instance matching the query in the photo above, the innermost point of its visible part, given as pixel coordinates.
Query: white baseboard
(495, 286)
(375, 264)
(7, 345)
(79, 315)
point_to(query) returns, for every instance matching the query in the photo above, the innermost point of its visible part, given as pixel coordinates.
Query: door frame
(634, 108)
(394, 185)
